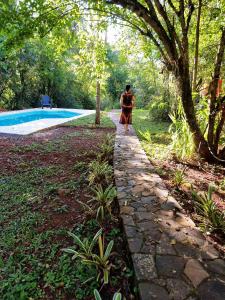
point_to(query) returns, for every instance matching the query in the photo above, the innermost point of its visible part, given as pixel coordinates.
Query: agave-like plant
(106, 151)
(116, 296)
(85, 246)
(102, 260)
(109, 139)
(213, 218)
(103, 199)
(88, 257)
(99, 172)
(178, 177)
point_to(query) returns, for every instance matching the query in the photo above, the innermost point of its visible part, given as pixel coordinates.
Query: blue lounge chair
(46, 101)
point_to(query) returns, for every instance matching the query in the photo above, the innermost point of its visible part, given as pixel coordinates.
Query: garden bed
(182, 176)
(43, 186)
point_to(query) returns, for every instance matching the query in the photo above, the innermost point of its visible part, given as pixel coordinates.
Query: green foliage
(182, 142)
(100, 172)
(88, 257)
(213, 219)
(106, 151)
(178, 177)
(153, 135)
(103, 199)
(85, 246)
(145, 135)
(118, 70)
(116, 296)
(159, 108)
(90, 121)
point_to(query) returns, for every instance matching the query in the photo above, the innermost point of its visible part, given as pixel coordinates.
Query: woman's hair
(127, 87)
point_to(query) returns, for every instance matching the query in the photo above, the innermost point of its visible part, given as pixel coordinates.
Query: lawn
(183, 176)
(45, 193)
(153, 135)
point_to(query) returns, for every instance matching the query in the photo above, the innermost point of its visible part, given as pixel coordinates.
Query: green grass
(153, 135)
(90, 121)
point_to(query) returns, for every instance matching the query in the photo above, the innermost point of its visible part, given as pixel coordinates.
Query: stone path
(171, 257)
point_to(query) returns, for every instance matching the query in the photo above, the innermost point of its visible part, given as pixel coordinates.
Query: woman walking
(127, 104)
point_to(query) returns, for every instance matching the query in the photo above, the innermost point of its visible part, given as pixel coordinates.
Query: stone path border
(171, 257)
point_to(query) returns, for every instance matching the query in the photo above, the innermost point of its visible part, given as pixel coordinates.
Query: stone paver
(171, 257)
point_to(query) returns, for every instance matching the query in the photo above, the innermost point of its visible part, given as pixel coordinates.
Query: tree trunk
(188, 105)
(213, 93)
(197, 46)
(219, 129)
(97, 116)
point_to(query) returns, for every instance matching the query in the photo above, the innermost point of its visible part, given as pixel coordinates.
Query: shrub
(182, 140)
(159, 108)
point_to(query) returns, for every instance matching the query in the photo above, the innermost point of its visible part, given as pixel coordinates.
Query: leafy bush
(145, 135)
(182, 141)
(159, 108)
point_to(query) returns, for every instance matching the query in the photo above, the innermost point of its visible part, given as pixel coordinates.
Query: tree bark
(188, 105)
(213, 93)
(97, 116)
(219, 129)
(197, 46)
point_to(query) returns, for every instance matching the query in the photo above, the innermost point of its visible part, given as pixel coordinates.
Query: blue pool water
(28, 116)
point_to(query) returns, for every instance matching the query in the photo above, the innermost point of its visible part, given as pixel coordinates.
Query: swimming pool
(28, 116)
(28, 121)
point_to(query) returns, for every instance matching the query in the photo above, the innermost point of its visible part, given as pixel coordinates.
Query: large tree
(168, 25)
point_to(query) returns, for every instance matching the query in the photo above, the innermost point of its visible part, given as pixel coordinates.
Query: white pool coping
(33, 126)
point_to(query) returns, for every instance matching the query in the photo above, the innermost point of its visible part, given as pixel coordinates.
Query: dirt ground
(54, 163)
(197, 176)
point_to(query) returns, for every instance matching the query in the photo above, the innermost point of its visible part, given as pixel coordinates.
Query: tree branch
(150, 17)
(171, 28)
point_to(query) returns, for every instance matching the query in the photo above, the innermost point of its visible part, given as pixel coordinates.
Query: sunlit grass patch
(89, 121)
(154, 136)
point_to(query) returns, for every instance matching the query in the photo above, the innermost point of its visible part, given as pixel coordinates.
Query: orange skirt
(126, 115)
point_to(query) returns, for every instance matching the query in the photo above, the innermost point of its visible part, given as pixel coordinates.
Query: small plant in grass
(79, 166)
(99, 172)
(106, 152)
(103, 199)
(178, 177)
(182, 140)
(222, 184)
(109, 139)
(85, 247)
(101, 261)
(145, 135)
(116, 296)
(88, 257)
(213, 218)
